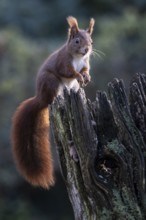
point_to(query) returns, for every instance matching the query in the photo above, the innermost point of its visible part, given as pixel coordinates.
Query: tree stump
(102, 150)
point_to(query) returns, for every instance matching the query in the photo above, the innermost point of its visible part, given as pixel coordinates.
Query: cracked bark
(109, 138)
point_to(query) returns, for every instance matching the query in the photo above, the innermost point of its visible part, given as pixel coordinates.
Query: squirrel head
(79, 41)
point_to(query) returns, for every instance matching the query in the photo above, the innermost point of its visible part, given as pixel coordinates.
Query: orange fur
(91, 25)
(72, 22)
(84, 70)
(31, 147)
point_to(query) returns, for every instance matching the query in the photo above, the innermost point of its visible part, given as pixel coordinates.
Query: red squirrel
(68, 66)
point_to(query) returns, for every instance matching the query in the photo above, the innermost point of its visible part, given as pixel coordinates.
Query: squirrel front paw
(80, 79)
(86, 78)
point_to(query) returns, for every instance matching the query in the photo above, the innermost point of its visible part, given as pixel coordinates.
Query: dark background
(29, 31)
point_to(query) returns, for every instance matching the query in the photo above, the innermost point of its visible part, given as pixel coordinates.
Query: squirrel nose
(86, 49)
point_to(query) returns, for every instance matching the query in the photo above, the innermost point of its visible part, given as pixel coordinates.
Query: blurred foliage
(29, 31)
(19, 59)
(122, 39)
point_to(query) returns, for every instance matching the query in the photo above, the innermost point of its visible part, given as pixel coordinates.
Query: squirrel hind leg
(70, 84)
(75, 85)
(47, 88)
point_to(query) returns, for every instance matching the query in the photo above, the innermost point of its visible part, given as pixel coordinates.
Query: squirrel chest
(78, 63)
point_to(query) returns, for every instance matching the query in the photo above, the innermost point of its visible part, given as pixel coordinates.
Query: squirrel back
(68, 66)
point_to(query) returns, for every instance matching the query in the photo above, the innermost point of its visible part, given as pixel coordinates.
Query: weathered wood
(105, 177)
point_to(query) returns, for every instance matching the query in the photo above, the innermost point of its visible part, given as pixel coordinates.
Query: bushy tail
(30, 140)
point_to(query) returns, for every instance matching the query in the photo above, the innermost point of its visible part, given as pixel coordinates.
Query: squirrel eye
(77, 41)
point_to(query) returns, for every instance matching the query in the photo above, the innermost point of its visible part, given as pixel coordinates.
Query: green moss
(125, 207)
(105, 214)
(115, 146)
(58, 124)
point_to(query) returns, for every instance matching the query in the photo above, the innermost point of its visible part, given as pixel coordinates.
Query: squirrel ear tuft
(73, 24)
(91, 25)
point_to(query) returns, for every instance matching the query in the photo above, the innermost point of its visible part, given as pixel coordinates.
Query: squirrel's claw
(87, 78)
(80, 80)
